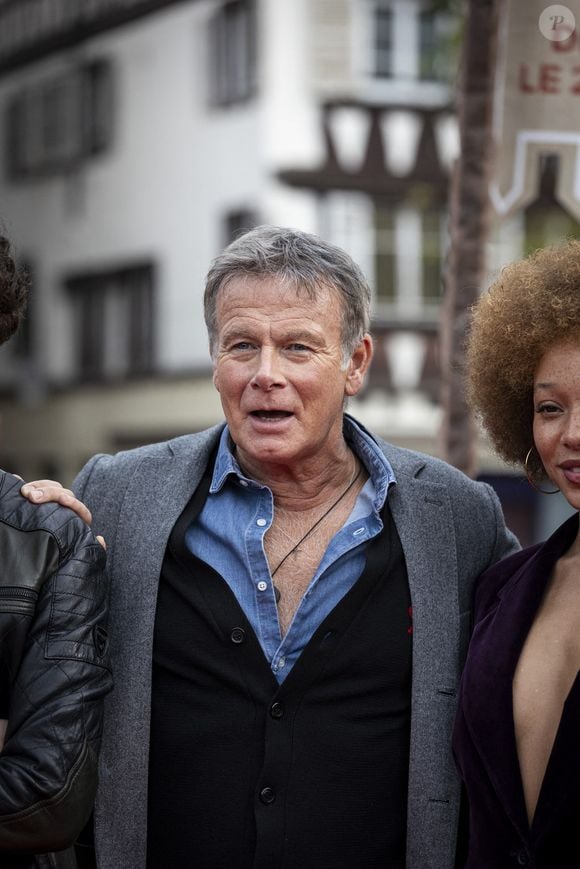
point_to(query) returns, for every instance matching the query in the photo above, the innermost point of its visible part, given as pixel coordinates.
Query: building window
(385, 255)
(113, 322)
(238, 222)
(427, 46)
(437, 46)
(432, 260)
(545, 221)
(60, 121)
(545, 225)
(383, 48)
(232, 53)
(98, 107)
(408, 260)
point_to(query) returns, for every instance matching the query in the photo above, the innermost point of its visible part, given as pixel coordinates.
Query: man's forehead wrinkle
(288, 285)
(292, 326)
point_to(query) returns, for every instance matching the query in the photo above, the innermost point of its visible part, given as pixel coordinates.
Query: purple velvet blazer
(507, 598)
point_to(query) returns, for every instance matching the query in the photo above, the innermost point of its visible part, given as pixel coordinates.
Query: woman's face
(557, 417)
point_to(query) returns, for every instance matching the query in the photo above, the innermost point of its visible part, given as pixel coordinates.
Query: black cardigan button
(276, 710)
(238, 635)
(267, 796)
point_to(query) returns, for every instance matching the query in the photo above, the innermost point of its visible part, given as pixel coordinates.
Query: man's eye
(299, 348)
(242, 345)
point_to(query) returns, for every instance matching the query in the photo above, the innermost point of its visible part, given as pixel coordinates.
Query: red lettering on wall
(524, 80)
(547, 79)
(550, 77)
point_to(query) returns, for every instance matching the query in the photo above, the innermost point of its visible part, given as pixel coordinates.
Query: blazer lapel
(159, 490)
(487, 705)
(494, 652)
(422, 514)
(424, 520)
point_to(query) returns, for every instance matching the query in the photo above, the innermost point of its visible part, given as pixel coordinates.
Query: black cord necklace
(313, 528)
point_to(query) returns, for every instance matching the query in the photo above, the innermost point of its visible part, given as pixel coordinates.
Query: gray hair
(306, 263)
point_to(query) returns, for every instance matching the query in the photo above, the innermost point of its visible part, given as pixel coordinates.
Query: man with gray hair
(290, 600)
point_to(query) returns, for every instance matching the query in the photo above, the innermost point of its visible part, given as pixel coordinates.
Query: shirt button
(276, 710)
(244, 483)
(238, 635)
(262, 586)
(281, 663)
(261, 522)
(267, 796)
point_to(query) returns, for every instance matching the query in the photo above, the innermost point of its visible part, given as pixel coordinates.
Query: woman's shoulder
(492, 581)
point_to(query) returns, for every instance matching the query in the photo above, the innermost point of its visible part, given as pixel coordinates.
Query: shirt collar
(226, 464)
(371, 455)
(362, 443)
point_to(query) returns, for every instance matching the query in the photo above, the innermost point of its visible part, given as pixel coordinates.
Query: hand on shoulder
(51, 491)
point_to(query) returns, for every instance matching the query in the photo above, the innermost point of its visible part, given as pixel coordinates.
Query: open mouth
(571, 472)
(270, 414)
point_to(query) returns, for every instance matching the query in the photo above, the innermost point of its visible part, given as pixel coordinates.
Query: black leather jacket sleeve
(54, 661)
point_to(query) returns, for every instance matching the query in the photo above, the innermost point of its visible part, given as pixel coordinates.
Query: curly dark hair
(533, 305)
(13, 292)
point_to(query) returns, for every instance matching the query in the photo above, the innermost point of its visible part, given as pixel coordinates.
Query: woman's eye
(548, 409)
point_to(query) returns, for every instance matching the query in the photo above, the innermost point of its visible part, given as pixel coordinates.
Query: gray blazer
(451, 530)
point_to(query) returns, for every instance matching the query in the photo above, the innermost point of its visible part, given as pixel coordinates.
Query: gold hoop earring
(530, 479)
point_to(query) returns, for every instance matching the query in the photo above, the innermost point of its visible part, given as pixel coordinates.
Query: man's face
(279, 370)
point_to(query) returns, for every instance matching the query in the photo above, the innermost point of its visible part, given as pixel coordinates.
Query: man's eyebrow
(295, 335)
(299, 335)
(236, 332)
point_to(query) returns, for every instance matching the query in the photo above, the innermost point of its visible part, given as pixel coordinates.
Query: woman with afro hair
(516, 733)
(54, 664)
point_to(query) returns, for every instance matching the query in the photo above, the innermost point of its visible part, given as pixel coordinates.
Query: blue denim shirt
(229, 534)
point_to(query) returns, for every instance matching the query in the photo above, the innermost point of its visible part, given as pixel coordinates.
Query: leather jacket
(54, 673)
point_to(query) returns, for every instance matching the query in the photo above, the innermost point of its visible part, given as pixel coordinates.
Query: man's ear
(358, 365)
(215, 379)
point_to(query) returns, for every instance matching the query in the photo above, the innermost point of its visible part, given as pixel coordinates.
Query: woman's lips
(571, 470)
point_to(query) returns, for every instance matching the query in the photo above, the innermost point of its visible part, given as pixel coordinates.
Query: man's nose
(268, 374)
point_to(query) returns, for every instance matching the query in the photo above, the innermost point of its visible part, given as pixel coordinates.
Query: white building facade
(139, 137)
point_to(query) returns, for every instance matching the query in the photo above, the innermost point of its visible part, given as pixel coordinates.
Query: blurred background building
(140, 136)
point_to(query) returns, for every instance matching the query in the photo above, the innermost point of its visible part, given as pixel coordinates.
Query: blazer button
(522, 857)
(276, 710)
(238, 635)
(267, 796)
